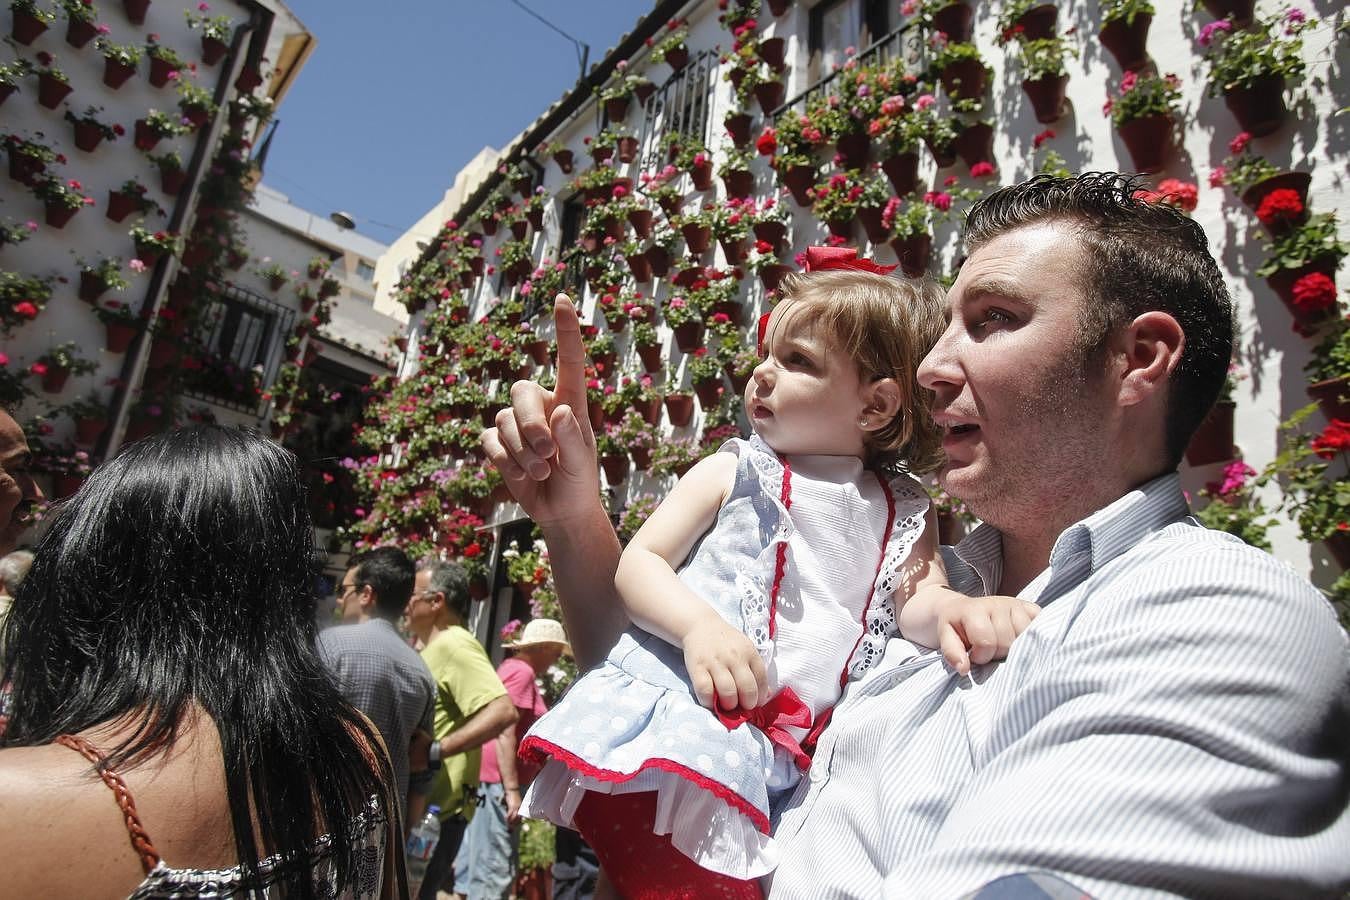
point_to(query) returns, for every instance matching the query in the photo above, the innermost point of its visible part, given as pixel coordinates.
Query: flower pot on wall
(1047, 97)
(841, 228)
(696, 237)
(1127, 41)
(854, 148)
(1240, 10)
(688, 336)
(964, 79)
(772, 275)
(52, 90)
(779, 7)
(799, 180)
(1333, 396)
(615, 466)
(119, 336)
(1260, 108)
(5, 91)
(659, 260)
(26, 27)
(1149, 140)
(740, 183)
(702, 176)
(91, 287)
(213, 50)
(616, 109)
(677, 58)
(870, 217)
(121, 205)
(770, 232)
(680, 409)
(1213, 440)
(772, 52)
(135, 10)
(1283, 282)
(627, 149)
(912, 253)
(564, 160)
(1038, 22)
(650, 355)
(641, 220)
(80, 32)
(58, 214)
(738, 126)
(903, 172)
(171, 181)
(641, 269)
(975, 143)
(1293, 181)
(54, 379)
(955, 20)
(709, 392)
(769, 95)
(88, 136)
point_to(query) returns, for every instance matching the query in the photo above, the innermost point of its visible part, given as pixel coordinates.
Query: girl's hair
(886, 326)
(183, 572)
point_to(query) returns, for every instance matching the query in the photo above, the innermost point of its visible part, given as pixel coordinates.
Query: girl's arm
(934, 615)
(722, 662)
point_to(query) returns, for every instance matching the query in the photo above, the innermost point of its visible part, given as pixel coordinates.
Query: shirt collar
(1106, 534)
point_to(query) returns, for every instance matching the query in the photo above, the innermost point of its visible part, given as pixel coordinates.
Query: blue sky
(398, 96)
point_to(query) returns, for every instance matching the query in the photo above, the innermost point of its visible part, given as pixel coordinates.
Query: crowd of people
(790, 689)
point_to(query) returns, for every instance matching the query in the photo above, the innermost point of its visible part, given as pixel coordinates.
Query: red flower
(767, 142)
(1041, 138)
(982, 169)
(1335, 438)
(1279, 205)
(25, 309)
(1314, 292)
(1239, 143)
(473, 550)
(1181, 194)
(38, 369)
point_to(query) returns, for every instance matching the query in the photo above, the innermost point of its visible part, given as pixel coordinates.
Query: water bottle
(421, 844)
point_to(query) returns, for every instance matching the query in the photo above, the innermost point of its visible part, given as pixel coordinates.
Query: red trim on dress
(780, 567)
(536, 747)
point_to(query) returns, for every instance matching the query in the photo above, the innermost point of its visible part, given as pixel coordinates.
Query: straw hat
(541, 631)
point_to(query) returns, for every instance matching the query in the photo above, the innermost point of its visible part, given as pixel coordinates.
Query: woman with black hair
(166, 634)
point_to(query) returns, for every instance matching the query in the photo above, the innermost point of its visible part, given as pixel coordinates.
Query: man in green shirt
(472, 706)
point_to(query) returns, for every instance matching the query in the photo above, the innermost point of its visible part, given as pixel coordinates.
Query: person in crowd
(19, 490)
(1175, 722)
(13, 567)
(485, 868)
(472, 706)
(814, 543)
(378, 672)
(167, 688)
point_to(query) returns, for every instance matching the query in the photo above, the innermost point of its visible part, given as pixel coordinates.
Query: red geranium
(767, 142)
(1334, 439)
(1282, 205)
(1314, 292)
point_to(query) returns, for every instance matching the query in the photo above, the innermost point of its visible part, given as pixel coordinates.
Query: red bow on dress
(821, 259)
(785, 709)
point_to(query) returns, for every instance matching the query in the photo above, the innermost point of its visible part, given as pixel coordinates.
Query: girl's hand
(984, 625)
(724, 667)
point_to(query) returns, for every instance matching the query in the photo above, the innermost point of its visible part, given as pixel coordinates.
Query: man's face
(1022, 418)
(349, 596)
(18, 490)
(422, 606)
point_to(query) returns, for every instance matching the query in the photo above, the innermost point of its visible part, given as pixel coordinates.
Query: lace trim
(753, 583)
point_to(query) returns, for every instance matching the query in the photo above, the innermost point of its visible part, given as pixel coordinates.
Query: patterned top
(386, 679)
(1174, 723)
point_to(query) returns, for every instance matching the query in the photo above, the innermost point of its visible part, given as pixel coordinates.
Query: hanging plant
(62, 198)
(119, 61)
(29, 158)
(172, 176)
(53, 83)
(1045, 76)
(909, 226)
(14, 233)
(1144, 112)
(1301, 269)
(97, 278)
(670, 47)
(954, 19)
(57, 365)
(1124, 31)
(131, 197)
(155, 127)
(216, 32)
(195, 103)
(151, 245)
(165, 64)
(959, 66)
(30, 20)
(1250, 69)
(90, 132)
(22, 298)
(81, 22)
(11, 74)
(1328, 371)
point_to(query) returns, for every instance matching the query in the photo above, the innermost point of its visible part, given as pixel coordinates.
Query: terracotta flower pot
(1038, 22)
(688, 336)
(615, 466)
(119, 336)
(740, 183)
(88, 136)
(115, 74)
(680, 409)
(5, 91)
(1213, 440)
(600, 154)
(670, 205)
(135, 10)
(159, 71)
(975, 144)
(58, 214)
(616, 110)
(769, 95)
(643, 90)
(903, 172)
(677, 58)
(171, 181)
(702, 176)
(52, 90)
(88, 431)
(1149, 140)
(80, 32)
(770, 232)
(854, 148)
(870, 217)
(1338, 543)
(1294, 181)
(964, 79)
(144, 137)
(732, 309)
(641, 220)
(627, 149)
(650, 355)
(26, 27)
(709, 392)
(641, 269)
(772, 275)
(1282, 283)
(798, 180)
(650, 410)
(697, 237)
(91, 287)
(564, 160)
(1260, 108)
(659, 260)
(840, 228)
(772, 51)
(519, 229)
(54, 379)
(1047, 97)
(642, 457)
(1240, 10)
(536, 218)
(912, 253)
(738, 126)
(1127, 41)
(779, 7)
(1333, 395)
(213, 50)
(943, 156)
(955, 20)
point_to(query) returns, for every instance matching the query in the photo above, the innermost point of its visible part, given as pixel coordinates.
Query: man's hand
(724, 667)
(511, 797)
(985, 625)
(543, 444)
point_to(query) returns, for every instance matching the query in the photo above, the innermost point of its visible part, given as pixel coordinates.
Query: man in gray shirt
(376, 669)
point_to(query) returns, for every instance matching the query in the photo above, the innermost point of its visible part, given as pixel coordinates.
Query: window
(839, 24)
(239, 334)
(681, 106)
(364, 270)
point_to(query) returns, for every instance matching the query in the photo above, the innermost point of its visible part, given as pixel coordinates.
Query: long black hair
(183, 571)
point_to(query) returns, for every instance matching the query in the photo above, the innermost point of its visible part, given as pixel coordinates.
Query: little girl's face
(805, 396)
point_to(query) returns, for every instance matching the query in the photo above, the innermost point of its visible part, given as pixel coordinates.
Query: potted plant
(10, 76)
(899, 133)
(29, 20)
(119, 61)
(57, 365)
(22, 298)
(836, 201)
(97, 278)
(669, 47)
(90, 416)
(121, 324)
(1255, 180)
(558, 151)
(1143, 112)
(1045, 76)
(1026, 20)
(13, 233)
(1234, 506)
(172, 176)
(686, 320)
(81, 22)
(1328, 372)
(1251, 68)
(53, 83)
(131, 196)
(1213, 440)
(89, 131)
(216, 32)
(153, 128)
(954, 19)
(1316, 499)
(960, 67)
(1124, 31)
(195, 102)
(1301, 268)
(151, 245)
(165, 64)
(679, 402)
(909, 223)
(62, 198)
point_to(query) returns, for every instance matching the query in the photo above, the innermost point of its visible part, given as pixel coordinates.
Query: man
(486, 866)
(376, 669)
(19, 491)
(472, 706)
(1174, 722)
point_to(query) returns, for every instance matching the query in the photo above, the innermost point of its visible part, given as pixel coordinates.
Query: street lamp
(342, 220)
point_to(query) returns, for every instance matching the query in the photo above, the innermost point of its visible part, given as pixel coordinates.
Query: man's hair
(389, 572)
(1136, 257)
(13, 568)
(450, 579)
(886, 326)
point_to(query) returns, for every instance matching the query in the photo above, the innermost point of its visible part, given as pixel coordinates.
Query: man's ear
(366, 599)
(881, 401)
(1148, 349)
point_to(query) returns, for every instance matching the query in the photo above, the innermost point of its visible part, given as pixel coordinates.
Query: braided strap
(140, 841)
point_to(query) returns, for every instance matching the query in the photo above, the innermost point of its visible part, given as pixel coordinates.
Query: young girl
(799, 552)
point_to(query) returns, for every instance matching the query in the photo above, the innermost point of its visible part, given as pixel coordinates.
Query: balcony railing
(240, 330)
(683, 104)
(905, 40)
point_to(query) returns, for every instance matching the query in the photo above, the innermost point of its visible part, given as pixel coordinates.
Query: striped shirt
(1175, 722)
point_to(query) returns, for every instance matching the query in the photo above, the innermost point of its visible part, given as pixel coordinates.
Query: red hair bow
(819, 259)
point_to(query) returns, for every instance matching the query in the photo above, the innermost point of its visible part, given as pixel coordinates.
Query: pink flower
(4, 360)
(1212, 30)
(981, 170)
(938, 200)
(136, 265)
(38, 368)
(1127, 82)
(203, 7)
(31, 225)
(909, 7)
(25, 309)
(1217, 176)
(1239, 143)
(924, 101)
